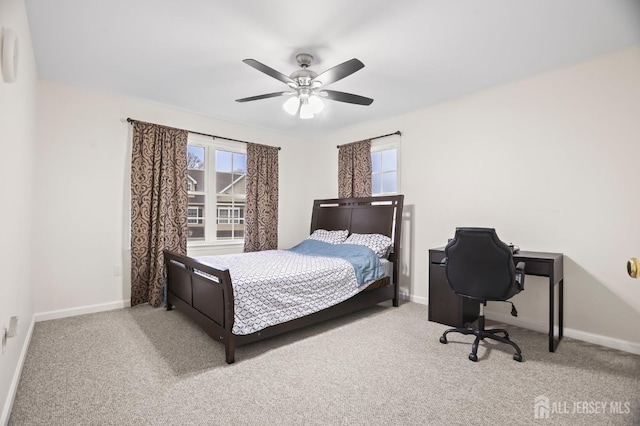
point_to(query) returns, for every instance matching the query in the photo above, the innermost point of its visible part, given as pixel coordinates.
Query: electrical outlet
(117, 270)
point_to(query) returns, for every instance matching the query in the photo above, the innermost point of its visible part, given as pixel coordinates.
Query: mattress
(274, 286)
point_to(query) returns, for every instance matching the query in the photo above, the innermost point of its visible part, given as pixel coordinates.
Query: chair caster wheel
(473, 357)
(443, 340)
(517, 357)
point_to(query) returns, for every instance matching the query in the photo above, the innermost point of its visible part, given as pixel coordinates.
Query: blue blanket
(365, 262)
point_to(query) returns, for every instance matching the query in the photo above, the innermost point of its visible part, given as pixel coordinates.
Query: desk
(448, 308)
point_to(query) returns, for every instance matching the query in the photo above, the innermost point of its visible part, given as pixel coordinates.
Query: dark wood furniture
(209, 302)
(447, 308)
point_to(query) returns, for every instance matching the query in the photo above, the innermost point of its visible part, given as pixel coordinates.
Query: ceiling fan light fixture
(316, 104)
(306, 110)
(291, 105)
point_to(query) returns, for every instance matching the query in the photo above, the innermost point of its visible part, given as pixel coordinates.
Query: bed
(202, 288)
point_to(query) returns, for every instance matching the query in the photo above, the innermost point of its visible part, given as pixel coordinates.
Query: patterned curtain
(261, 213)
(354, 169)
(158, 206)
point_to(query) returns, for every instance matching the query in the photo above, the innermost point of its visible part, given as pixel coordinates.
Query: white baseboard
(13, 389)
(72, 312)
(410, 297)
(598, 339)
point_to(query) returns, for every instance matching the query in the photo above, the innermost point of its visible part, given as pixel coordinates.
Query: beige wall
(17, 141)
(82, 193)
(552, 162)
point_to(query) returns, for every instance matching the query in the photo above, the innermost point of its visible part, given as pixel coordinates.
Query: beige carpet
(382, 366)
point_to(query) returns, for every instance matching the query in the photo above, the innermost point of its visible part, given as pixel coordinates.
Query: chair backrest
(480, 266)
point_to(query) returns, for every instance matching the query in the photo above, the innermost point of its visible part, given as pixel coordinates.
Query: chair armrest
(520, 267)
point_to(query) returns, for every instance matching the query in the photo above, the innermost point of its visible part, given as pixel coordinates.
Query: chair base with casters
(481, 333)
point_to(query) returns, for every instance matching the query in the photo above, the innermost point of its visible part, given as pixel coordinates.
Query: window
(384, 166)
(216, 185)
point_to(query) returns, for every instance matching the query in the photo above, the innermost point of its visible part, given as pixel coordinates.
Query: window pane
(223, 234)
(195, 208)
(376, 183)
(376, 162)
(231, 188)
(195, 168)
(240, 184)
(389, 160)
(223, 161)
(384, 173)
(195, 222)
(196, 200)
(239, 163)
(195, 157)
(196, 233)
(223, 183)
(389, 182)
(196, 180)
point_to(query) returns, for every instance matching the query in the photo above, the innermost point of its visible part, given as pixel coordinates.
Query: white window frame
(212, 144)
(383, 144)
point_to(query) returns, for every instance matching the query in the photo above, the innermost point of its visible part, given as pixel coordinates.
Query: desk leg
(551, 314)
(561, 308)
(553, 343)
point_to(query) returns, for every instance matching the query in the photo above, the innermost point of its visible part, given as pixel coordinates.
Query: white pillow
(332, 237)
(380, 244)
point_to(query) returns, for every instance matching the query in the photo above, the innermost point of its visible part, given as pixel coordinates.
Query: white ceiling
(188, 54)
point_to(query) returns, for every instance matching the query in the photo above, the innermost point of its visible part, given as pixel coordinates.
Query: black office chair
(481, 267)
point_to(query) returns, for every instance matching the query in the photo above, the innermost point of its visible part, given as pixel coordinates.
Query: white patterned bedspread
(274, 286)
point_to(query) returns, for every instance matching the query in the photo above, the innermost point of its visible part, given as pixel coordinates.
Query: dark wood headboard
(372, 215)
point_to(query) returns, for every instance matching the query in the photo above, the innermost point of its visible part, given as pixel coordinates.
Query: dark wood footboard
(204, 294)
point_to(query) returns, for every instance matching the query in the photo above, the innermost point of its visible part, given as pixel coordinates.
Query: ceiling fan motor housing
(303, 77)
(304, 59)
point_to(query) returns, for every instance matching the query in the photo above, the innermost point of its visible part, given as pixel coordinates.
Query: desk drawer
(536, 267)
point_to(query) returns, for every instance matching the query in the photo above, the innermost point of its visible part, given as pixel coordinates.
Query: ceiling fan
(307, 87)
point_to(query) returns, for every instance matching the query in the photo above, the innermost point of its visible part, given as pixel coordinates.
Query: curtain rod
(397, 132)
(131, 121)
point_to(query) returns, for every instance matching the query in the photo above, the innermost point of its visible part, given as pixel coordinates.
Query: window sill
(213, 249)
(204, 244)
